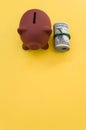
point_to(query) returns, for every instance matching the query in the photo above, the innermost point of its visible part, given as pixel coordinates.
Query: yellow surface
(42, 90)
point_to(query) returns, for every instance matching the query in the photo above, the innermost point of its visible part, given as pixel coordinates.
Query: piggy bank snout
(34, 45)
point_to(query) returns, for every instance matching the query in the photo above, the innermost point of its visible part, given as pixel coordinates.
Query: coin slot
(34, 18)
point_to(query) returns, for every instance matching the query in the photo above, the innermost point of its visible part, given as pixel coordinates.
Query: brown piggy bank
(35, 30)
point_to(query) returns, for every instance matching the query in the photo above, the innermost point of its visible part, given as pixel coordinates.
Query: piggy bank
(35, 29)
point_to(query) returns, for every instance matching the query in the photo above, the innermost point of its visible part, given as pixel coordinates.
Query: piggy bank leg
(45, 47)
(25, 47)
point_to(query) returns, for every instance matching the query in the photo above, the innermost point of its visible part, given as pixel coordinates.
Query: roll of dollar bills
(61, 37)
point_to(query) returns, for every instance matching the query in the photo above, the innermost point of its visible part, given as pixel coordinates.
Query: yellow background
(42, 90)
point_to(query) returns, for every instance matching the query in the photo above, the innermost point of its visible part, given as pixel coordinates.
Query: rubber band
(60, 34)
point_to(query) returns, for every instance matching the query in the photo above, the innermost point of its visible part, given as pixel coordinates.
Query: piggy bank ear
(47, 30)
(21, 30)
